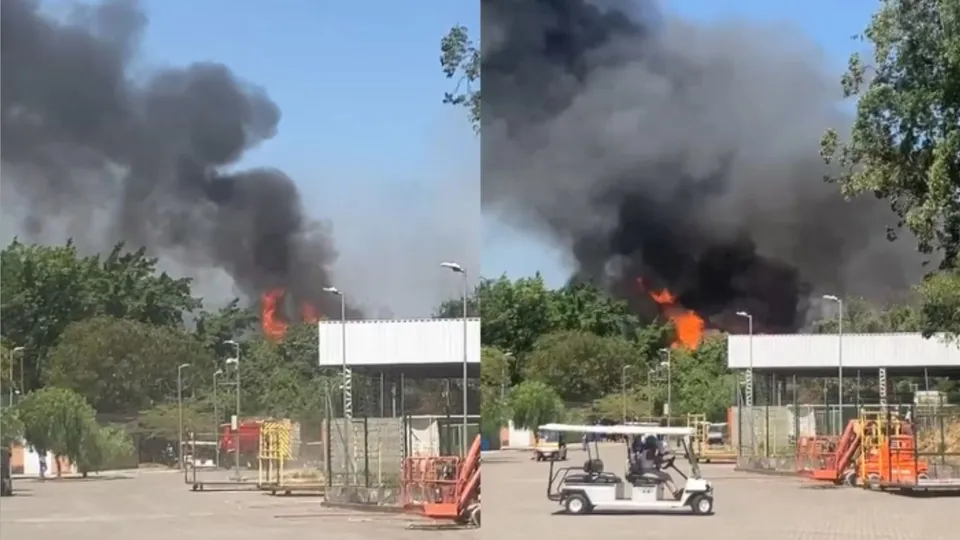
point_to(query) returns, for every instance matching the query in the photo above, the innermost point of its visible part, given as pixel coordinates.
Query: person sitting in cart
(654, 455)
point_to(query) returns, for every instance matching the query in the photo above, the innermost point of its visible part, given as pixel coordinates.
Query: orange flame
(273, 326)
(309, 313)
(689, 326)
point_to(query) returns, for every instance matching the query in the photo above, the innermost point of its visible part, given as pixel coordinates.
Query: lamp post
(457, 268)
(216, 416)
(749, 380)
(346, 384)
(180, 369)
(667, 364)
(623, 392)
(236, 361)
(503, 375)
(839, 302)
(19, 352)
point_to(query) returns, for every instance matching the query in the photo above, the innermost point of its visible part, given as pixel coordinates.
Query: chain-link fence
(394, 417)
(792, 417)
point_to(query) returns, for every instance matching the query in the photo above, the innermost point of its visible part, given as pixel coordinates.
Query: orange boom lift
(444, 488)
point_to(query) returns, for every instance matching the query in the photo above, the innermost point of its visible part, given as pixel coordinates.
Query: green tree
(162, 422)
(581, 306)
(639, 404)
(905, 139)
(45, 288)
(861, 317)
(215, 328)
(107, 446)
(494, 383)
(581, 366)
(121, 365)
(57, 420)
(11, 428)
(940, 311)
(460, 61)
(282, 378)
(515, 313)
(534, 403)
(701, 382)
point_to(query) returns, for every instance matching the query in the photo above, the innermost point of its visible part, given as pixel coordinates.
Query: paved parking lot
(158, 506)
(748, 507)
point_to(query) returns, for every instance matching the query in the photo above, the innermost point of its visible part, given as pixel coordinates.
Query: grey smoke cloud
(680, 152)
(96, 151)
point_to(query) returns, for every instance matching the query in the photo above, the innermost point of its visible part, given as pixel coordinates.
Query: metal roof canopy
(401, 345)
(900, 352)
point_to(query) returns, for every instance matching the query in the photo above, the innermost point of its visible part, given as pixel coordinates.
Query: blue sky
(359, 86)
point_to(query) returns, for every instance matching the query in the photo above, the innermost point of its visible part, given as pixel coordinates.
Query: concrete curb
(364, 507)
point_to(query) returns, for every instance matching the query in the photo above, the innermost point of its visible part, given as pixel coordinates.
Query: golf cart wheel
(850, 479)
(701, 505)
(576, 504)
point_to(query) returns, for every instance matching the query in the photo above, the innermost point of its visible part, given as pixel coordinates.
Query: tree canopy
(904, 145)
(460, 61)
(102, 337)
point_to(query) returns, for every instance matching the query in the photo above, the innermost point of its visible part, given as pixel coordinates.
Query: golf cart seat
(637, 478)
(592, 474)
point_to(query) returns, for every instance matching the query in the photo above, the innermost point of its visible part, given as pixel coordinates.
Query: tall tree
(460, 61)
(515, 313)
(45, 288)
(59, 421)
(905, 141)
(861, 317)
(582, 306)
(123, 366)
(582, 366)
(940, 311)
(534, 403)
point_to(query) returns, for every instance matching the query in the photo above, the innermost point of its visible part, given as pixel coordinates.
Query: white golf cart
(583, 490)
(550, 446)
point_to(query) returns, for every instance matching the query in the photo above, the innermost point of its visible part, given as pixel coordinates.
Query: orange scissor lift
(889, 455)
(876, 449)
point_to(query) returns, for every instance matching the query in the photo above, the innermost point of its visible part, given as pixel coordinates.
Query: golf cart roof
(621, 429)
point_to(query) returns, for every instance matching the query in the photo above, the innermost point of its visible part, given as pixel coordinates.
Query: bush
(103, 447)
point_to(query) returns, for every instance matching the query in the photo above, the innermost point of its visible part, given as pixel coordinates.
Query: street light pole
(749, 381)
(180, 369)
(623, 392)
(667, 364)
(236, 360)
(346, 383)
(839, 302)
(503, 376)
(455, 267)
(216, 417)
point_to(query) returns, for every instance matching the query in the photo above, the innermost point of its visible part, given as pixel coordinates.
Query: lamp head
(455, 267)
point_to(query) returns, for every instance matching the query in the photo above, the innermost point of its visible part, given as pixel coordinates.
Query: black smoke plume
(149, 159)
(679, 152)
